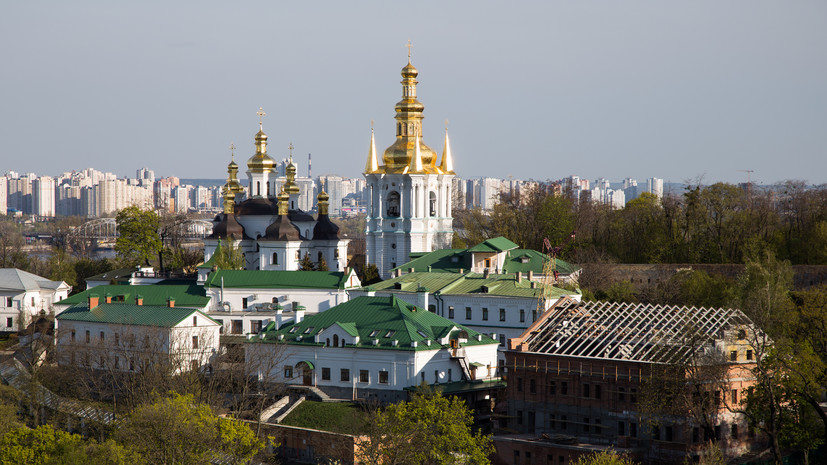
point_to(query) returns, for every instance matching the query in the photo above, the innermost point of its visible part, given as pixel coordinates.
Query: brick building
(580, 379)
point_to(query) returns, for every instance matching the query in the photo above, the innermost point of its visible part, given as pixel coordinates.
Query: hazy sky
(536, 90)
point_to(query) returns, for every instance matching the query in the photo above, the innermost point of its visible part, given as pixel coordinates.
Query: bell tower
(409, 207)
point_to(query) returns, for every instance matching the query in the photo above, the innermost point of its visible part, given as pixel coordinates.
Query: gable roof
(130, 314)
(502, 285)
(278, 279)
(185, 295)
(454, 260)
(13, 279)
(620, 331)
(383, 318)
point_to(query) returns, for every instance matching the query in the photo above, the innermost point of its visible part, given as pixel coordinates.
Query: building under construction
(657, 382)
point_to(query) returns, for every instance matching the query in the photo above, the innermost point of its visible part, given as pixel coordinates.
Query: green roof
(185, 295)
(503, 285)
(383, 318)
(118, 274)
(278, 279)
(130, 314)
(454, 260)
(497, 244)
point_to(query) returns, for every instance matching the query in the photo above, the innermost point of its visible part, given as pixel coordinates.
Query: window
(422, 375)
(195, 342)
(633, 395)
(696, 436)
(519, 384)
(749, 354)
(585, 424)
(335, 340)
(390, 333)
(8, 301)
(450, 313)
(502, 340)
(255, 326)
(668, 433)
(275, 260)
(33, 302)
(742, 334)
(563, 422)
(488, 263)
(467, 313)
(484, 314)
(564, 388)
(733, 431)
(73, 335)
(103, 336)
(656, 433)
(393, 203)
(88, 337)
(522, 316)
(288, 371)
(237, 326)
(586, 392)
(9, 322)
(621, 394)
(383, 377)
(733, 355)
(344, 375)
(621, 428)
(502, 314)
(325, 374)
(364, 376)
(734, 395)
(598, 394)
(244, 302)
(432, 204)
(633, 430)
(532, 385)
(519, 417)
(195, 321)
(552, 388)
(450, 377)
(551, 423)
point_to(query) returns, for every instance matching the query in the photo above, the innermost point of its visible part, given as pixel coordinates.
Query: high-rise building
(629, 187)
(410, 195)
(4, 186)
(145, 176)
(333, 185)
(43, 196)
(655, 186)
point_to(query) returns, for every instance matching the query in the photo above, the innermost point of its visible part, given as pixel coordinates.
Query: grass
(337, 417)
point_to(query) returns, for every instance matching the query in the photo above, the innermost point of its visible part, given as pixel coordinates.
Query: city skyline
(557, 89)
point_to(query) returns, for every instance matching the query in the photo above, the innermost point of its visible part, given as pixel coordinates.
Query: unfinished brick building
(586, 377)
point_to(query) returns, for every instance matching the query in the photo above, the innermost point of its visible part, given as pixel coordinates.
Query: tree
(370, 275)
(606, 457)
(306, 264)
(45, 445)
(177, 430)
(322, 265)
(228, 257)
(138, 240)
(428, 429)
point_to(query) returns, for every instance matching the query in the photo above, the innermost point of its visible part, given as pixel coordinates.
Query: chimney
(422, 297)
(108, 298)
(519, 276)
(461, 271)
(279, 317)
(530, 275)
(429, 268)
(534, 284)
(485, 273)
(139, 299)
(93, 301)
(171, 302)
(299, 311)
(411, 270)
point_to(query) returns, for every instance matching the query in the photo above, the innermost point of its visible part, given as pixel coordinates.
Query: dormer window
(374, 333)
(422, 333)
(390, 333)
(307, 331)
(524, 260)
(293, 330)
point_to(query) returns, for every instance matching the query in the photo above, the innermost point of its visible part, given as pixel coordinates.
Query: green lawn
(338, 417)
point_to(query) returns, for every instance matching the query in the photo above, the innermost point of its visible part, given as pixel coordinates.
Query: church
(268, 227)
(409, 195)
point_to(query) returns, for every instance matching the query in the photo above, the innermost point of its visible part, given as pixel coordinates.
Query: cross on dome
(261, 115)
(409, 50)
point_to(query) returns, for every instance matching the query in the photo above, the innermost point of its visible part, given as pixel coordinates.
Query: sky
(682, 91)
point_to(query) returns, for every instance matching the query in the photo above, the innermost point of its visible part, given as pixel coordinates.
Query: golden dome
(398, 156)
(260, 162)
(323, 197)
(409, 71)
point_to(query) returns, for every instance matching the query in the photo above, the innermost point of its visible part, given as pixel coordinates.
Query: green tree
(306, 264)
(138, 240)
(428, 429)
(178, 430)
(370, 275)
(45, 445)
(322, 265)
(606, 457)
(228, 256)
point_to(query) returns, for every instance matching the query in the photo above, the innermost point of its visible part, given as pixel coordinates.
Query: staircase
(458, 354)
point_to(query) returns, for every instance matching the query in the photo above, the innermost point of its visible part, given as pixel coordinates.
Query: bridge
(105, 229)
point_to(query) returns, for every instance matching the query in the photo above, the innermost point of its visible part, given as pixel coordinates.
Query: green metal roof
(278, 279)
(382, 318)
(119, 274)
(185, 295)
(130, 314)
(496, 244)
(504, 285)
(454, 260)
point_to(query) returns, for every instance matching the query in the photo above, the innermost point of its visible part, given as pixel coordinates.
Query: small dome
(323, 197)
(261, 136)
(409, 71)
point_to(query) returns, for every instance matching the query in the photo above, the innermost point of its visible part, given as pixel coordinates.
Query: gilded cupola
(260, 162)
(290, 186)
(408, 117)
(233, 186)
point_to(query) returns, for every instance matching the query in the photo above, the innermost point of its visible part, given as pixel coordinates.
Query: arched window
(335, 340)
(275, 258)
(393, 203)
(268, 188)
(327, 342)
(320, 257)
(432, 203)
(258, 188)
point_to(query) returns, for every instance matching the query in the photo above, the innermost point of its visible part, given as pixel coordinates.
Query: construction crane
(550, 272)
(749, 175)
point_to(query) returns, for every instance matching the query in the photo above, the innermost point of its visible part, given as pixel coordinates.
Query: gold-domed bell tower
(233, 186)
(290, 187)
(409, 195)
(260, 165)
